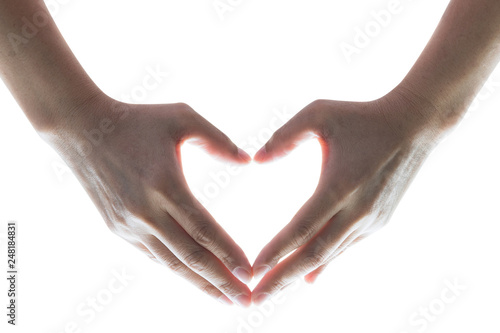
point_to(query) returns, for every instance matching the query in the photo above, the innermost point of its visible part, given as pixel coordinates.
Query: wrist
(58, 110)
(427, 112)
(70, 120)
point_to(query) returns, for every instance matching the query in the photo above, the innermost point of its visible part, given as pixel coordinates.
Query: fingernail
(243, 300)
(260, 271)
(243, 155)
(261, 298)
(224, 300)
(242, 274)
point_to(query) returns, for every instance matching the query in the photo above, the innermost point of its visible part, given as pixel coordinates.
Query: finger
(310, 219)
(303, 261)
(202, 227)
(202, 133)
(350, 241)
(201, 261)
(164, 256)
(146, 251)
(311, 277)
(300, 127)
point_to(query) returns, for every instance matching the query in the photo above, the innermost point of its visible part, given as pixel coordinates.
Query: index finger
(202, 227)
(306, 259)
(308, 221)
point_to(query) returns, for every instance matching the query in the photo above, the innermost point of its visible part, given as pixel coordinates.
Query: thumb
(298, 129)
(202, 133)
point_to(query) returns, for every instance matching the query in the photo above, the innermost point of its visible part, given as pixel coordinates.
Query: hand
(128, 159)
(371, 152)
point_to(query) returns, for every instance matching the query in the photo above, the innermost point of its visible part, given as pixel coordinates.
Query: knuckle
(316, 109)
(171, 196)
(227, 288)
(223, 137)
(277, 285)
(204, 235)
(183, 116)
(190, 211)
(227, 142)
(276, 137)
(313, 259)
(230, 258)
(183, 107)
(210, 290)
(175, 265)
(303, 234)
(324, 241)
(197, 260)
(318, 115)
(319, 103)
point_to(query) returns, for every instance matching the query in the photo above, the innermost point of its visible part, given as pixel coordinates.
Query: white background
(263, 58)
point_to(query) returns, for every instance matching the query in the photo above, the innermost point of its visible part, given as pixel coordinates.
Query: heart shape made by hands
(262, 197)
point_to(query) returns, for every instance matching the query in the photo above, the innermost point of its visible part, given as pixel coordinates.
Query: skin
(372, 150)
(132, 169)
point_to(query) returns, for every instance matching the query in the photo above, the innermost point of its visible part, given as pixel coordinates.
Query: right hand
(132, 172)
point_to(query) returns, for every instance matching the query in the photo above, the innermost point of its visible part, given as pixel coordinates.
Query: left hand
(371, 152)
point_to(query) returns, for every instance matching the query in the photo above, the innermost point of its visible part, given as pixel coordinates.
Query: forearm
(37, 65)
(462, 53)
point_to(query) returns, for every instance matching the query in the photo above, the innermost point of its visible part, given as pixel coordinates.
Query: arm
(457, 61)
(38, 67)
(126, 156)
(373, 150)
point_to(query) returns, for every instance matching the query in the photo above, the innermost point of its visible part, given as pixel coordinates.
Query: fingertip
(243, 156)
(310, 278)
(243, 274)
(260, 298)
(243, 300)
(260, 271)
(260, 156)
